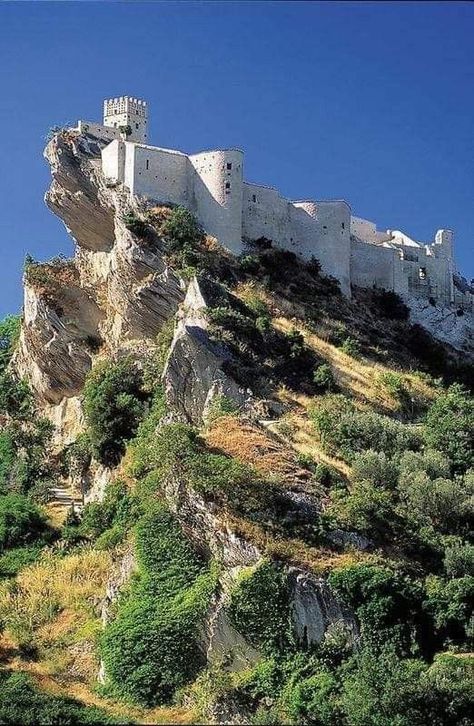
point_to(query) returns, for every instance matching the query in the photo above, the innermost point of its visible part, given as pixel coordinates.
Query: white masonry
(212, 186)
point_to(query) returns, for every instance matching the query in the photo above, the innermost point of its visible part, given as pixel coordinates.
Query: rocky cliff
(248, 339)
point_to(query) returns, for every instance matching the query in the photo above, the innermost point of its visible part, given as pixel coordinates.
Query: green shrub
(351, 347)
(221, 405)
(118, 509)
(459, 559)
(21, 702)
(183, 237)
(259, 608)
(136, 225)
(152, 647)
(21, 522)
(14, 560)
(114, 404)
(346, 432)
(387, 602)
(374, 468)
(450, 604)
(390, 305)
(449, 426)
(323, 378)
(9, 334)
(15, 396)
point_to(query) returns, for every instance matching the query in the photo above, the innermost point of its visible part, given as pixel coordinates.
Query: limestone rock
(194, 373)
(119, 293)
(315, 608)
(53, 352)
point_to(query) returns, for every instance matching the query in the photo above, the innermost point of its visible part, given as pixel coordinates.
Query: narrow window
(342, 225)
(136, 126)
(147, 164)
(254, 197)
(229, 166)
(227, 185)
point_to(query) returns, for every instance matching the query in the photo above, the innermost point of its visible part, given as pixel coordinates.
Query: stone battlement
(211, 184)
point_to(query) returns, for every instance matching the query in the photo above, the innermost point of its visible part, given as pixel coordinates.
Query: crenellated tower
(127, 111)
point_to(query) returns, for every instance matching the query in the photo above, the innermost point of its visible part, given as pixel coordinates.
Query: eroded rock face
(194, 373)
(315, 608)
(122, 292)
(449, 325)
(53, 353)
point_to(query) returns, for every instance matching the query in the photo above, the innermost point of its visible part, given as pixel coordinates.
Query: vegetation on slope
(383, 447)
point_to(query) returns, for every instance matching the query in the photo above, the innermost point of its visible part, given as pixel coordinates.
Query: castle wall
(266, 214)
(113, 161)
(160, 174)
(372, 265)
(103, 132)
(217, 194)
(367, 231)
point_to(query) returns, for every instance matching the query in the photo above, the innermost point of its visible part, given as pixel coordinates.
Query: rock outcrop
(194, 373)
(119, 290)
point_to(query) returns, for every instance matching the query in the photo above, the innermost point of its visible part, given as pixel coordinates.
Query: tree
(450, 426)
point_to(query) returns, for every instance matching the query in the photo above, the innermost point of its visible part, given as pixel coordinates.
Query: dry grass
(53, 606)
(360, 377)
(318, 560)
(252, 445)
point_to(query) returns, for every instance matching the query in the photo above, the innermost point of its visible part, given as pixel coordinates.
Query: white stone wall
(211, 185)
(103, 132)
(127, 111)
(217, 193)
(265, 213)
(367, 231)
(160, 174)
(372, 265)
(113, 161)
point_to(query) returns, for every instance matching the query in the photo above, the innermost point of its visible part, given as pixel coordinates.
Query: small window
(229, 166)
(227, 185)
(147, 164)
(136, 126)
(422, 273)
(254, 197)
(343, 225)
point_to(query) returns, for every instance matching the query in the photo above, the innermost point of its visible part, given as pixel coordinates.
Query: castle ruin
(211, 185)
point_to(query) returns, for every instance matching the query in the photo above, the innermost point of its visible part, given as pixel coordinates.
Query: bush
(387, 602)
(259, 608)
(374, 468)
(9, 334)
(136, 225)
(14, 560)
(114, 404)
(449, 602)
(117, 509)
(21, 522)
(21, 702)
(152, 647)
(323, 378)
(345, 431)
(391, 305)
(450, 426)
(351, 347)
(459, 559)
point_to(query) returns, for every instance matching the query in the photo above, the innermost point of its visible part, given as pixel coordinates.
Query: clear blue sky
(370, 102)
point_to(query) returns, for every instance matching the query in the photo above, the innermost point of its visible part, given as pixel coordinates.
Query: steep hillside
(275, 484)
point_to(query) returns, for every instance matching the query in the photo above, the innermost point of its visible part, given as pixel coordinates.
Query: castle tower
(127, 111)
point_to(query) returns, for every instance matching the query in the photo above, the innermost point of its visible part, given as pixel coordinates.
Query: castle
(212, 186)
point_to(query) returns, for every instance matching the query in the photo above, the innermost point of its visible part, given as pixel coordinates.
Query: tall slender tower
(128, 111)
